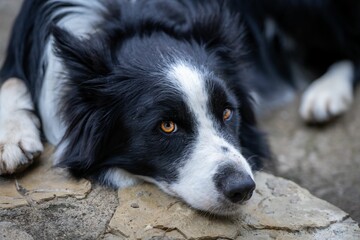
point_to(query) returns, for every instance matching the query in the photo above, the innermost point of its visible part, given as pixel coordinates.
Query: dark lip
(225, 209)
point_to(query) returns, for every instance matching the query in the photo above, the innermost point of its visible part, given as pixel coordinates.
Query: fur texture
(108, 74)
(162, 91)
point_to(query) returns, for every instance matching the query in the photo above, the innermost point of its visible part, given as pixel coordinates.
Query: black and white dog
(145, 90)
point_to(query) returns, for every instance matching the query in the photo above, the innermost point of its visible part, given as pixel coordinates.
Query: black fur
(99, 112)
(324, 32)
(115, 88)
(28, 40)
(109, 76)
(106, 102)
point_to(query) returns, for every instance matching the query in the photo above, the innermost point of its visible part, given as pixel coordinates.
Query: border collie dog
(134, 90)
(161, 91)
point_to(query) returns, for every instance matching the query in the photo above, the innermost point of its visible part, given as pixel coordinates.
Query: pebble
(134, 205)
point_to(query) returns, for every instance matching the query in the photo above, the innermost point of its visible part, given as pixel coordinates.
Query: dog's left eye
(168, 127)
(227, 114)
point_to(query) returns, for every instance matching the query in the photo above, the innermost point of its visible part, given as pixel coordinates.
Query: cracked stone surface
(61, 218)
(39, 183)
(279, 209)
(324, 159)
(9, 230)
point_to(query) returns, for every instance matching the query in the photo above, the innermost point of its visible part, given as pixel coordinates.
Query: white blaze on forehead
(191, 82)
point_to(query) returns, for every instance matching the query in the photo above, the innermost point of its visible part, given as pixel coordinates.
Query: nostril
(240, 189)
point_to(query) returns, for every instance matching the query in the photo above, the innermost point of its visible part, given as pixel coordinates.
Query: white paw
(328, 97)
(19, 141)
(320, 104)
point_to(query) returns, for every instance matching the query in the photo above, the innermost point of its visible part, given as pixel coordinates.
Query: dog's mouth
(224, 209)
(219, 205)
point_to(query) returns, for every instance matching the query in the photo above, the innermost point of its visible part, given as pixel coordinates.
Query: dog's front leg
(19, 127)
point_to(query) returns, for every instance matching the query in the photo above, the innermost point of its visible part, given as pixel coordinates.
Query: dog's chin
(222, 209)
(220, 212)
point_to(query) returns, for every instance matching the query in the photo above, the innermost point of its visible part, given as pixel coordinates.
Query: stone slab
(279, 209)
(9, 231)
(65, 218)
(39, 183)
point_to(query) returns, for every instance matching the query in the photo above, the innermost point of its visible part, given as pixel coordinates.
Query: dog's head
(165, 104)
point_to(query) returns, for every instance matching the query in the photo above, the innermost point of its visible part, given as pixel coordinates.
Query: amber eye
(168, 127)
(227, 114)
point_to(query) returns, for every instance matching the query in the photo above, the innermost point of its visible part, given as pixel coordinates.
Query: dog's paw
(20, 141)
(328, 97)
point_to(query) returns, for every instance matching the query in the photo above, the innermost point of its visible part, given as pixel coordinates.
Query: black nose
(236, 186)
(238, 190)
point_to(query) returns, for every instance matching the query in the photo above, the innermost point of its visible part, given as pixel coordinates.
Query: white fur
(196, 185)
(50, 96)
(120, 178)
(81, 21)
(330, 95)
(19, 134)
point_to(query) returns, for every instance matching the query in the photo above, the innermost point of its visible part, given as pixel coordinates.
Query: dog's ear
(253, 141)
(83, 58)
(87, 103)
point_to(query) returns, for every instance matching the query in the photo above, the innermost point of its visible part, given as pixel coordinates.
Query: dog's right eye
(227, 114)
(168, 127)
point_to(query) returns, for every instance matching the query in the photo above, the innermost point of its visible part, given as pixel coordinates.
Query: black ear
(86, 105)
(253, 141)
(84, 58)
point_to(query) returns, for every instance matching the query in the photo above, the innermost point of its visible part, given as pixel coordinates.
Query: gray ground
(325, 160)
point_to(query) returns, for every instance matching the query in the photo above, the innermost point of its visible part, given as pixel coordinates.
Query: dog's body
(298, 41)
(138, 90)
